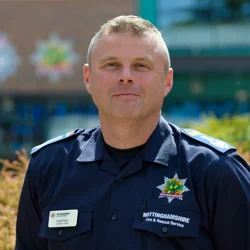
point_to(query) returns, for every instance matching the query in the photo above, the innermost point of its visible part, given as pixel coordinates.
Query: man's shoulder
(193, 138)
(61, 138)
(196, 137)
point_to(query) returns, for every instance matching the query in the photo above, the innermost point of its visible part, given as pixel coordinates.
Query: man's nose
(126, 75)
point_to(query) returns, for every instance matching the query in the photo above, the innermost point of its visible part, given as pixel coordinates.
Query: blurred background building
(43, 47)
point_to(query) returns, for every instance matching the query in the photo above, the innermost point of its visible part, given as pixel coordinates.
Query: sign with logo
(9, 60)
(54, 58)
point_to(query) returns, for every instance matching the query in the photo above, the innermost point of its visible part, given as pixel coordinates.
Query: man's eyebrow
(142, 59)
(110, 58)
(107, 58)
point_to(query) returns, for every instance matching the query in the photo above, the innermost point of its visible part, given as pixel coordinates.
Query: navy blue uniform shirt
(182, 191)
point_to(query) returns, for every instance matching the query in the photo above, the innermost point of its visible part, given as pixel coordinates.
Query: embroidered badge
(173, 188)
(68, 134)
(58, 138)
(217, 144)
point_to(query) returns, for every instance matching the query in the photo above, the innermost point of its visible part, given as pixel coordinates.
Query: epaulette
(215, 143)
(56, 139)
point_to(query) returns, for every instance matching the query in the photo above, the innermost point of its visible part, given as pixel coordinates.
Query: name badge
(63, 218)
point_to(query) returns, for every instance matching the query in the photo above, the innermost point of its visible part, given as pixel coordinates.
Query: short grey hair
(133, 25)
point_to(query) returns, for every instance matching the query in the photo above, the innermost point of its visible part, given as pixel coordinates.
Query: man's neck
(124, 134)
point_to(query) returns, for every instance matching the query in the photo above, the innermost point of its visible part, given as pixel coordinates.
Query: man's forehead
(121, 35)
(118, 41)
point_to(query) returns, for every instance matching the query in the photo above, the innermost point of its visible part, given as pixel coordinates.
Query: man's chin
(128, 114)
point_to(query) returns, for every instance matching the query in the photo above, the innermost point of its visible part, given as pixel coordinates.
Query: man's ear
(168, 81)
(86, 77)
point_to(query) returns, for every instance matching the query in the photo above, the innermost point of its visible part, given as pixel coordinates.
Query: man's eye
(112, 64)
(141, 66)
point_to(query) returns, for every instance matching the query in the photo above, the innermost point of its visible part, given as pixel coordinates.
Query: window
(205, 24)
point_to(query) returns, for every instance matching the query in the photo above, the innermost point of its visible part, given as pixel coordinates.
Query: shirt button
(164, 229)
(114, 217)
(60, 232)
(120, 179)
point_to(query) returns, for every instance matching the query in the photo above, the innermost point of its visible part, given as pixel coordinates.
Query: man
(137, 181)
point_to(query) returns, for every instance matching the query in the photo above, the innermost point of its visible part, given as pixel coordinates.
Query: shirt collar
(161, 144)
(159, 147)
(94, 148)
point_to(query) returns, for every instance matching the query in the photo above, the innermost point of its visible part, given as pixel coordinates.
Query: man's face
(127, 78)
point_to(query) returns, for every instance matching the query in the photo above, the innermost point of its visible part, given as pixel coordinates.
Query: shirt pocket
(161, 228)
(69, 237)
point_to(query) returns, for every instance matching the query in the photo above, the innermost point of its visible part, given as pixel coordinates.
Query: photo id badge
(63, 218)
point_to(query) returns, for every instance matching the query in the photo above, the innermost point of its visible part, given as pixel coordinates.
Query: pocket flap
(64, 233)
(168, 222)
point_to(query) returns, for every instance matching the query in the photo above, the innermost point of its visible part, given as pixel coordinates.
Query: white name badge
(63, 218)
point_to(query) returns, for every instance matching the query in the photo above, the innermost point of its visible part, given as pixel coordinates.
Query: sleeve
(229, 203)
(29, 218)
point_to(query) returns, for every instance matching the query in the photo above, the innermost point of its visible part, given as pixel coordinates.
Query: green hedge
(234, 130)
